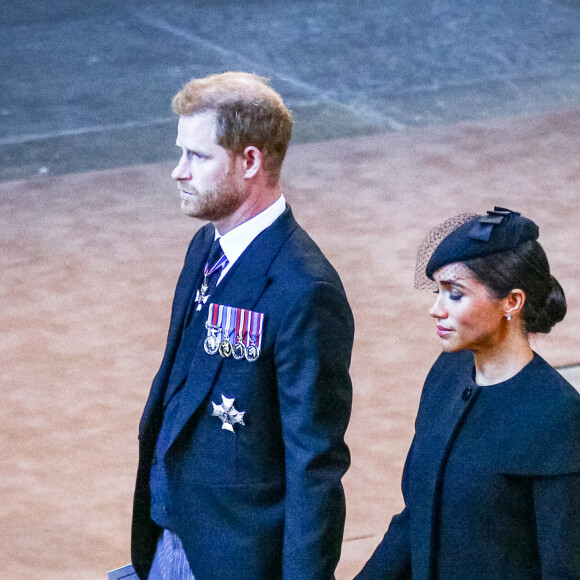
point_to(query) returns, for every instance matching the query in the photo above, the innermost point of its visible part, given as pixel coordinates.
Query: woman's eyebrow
(452, 283)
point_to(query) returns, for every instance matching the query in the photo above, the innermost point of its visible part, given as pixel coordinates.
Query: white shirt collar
(237, 240)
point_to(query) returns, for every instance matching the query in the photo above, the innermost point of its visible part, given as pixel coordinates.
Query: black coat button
(466, 393)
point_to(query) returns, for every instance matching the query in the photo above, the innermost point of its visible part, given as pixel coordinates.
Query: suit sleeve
(392, 558)
(557, 507)
(312, 357)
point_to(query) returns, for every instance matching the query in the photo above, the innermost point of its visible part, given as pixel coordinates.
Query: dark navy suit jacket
(492, 480)
(266, 502)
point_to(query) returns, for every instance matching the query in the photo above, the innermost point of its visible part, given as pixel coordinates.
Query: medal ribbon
(213, 314)
(202, 294)
(207, 271)
(240, 325)
(256, 324)
(228, 326)
(247, 325)
(219, 322)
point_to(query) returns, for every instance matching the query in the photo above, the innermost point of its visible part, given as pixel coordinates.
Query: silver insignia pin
(228, 414)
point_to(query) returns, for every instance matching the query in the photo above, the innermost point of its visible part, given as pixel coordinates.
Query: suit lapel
(190, 279)
(242, 287)
(186, 286)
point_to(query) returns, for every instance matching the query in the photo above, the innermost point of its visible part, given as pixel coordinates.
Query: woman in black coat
(492, 479)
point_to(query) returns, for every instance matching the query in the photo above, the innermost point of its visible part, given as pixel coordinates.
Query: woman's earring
(508, 316)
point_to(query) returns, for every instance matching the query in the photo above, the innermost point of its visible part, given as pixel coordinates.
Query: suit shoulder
(301, 257)
(201, 237)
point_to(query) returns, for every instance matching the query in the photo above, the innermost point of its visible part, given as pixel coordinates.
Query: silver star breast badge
(228, 414)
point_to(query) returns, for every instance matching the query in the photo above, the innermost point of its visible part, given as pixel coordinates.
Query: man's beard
(216, 203)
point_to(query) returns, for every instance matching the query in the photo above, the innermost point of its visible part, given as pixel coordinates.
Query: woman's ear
(514, 302)
(252, 161)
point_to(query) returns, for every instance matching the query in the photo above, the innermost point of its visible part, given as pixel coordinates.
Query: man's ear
(252, 161)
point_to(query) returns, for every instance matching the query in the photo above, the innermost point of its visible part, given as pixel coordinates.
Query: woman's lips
(442, 331)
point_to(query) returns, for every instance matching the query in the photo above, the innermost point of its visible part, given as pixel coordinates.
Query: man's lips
(185, 194)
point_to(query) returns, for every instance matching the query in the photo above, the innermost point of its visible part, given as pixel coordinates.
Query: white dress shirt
(237, 240)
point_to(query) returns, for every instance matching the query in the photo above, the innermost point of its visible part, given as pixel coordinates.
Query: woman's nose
(437, 310)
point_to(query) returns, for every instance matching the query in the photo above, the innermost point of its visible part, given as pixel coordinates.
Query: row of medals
(213, 345)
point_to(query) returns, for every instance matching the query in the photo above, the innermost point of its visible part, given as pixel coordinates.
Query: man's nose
(182, 169)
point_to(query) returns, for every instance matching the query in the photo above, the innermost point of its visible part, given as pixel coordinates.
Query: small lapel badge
(233, 332)
(228, 414)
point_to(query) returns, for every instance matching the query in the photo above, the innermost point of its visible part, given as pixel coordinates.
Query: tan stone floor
(89, 263)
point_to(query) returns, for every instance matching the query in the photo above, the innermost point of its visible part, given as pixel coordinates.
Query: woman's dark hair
(525, 267)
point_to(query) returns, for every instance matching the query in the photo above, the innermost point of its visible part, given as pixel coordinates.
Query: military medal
(252, 353)
(255, 325)
(211, 343)
(201, 296)
(228, 414)
(239, 351)
(225, 347)
(245, 326)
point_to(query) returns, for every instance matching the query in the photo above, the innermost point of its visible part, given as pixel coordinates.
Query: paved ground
(406, 114)
(87, 85)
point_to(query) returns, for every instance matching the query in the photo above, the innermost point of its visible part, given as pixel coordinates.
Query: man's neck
(255, 204)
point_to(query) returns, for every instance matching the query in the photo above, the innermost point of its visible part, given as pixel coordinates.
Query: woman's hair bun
(544, 317)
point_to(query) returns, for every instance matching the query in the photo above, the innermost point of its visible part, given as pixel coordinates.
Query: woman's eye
(455, 295)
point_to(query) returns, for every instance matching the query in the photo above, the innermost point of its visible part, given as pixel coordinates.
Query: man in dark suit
(242, 439)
